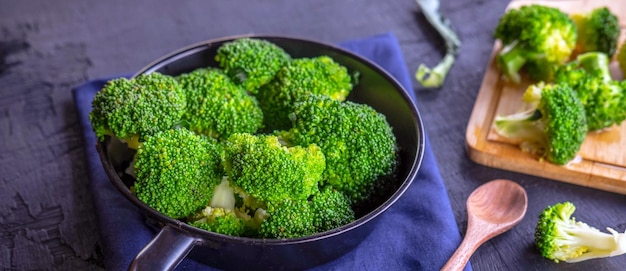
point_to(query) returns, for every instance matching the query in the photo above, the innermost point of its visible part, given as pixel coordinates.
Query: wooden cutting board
(601, 161)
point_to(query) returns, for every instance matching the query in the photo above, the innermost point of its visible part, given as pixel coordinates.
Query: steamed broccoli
(603, 98)
(598, 31)
(266, 190)
(560, 237)
(331, 209)
(357, 140)
(554, 127)
(251, 62)
(202, 156)
(176, 171)
(216, 106)
(220, 220)
(288, 218)
(296, 81)
(268, 171)
(131, 109)
(535, 36)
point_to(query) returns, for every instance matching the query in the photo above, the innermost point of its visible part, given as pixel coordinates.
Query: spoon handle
(462, 254)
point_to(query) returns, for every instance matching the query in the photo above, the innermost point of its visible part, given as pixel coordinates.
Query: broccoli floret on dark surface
(296, 81)
(598, 31)
(536, 36)
(216, 106)
(559, 237)
(554, 127)
(176, 171)
(603, 98)
(130, 109)
(250, 62)
(357, 141)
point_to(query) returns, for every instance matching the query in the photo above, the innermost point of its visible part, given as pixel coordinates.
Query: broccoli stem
(511, 60)
(598, 244)
(596, 62)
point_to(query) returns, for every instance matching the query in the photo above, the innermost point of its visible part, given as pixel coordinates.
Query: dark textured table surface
(47, 47)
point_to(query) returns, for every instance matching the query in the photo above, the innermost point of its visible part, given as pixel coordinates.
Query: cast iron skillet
(176, 239)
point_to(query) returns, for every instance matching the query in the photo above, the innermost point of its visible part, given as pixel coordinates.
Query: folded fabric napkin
(418, 233)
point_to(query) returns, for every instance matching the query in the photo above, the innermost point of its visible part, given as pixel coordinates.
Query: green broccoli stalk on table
(358, 142)
(296, 81)
(559, 237)
(554, 127)
(216, 106)
(251, 62)
(131, 109)
(603, 98)
(536, 38)
(598, 31)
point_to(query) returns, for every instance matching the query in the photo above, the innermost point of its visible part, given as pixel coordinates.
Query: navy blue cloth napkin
(418, 233)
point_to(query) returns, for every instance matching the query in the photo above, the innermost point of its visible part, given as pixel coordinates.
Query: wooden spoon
(493, 208)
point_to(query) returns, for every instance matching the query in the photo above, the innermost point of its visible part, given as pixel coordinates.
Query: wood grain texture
(47, 47)
(601, 161)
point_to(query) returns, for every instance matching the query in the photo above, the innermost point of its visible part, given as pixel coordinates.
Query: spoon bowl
(492, 209)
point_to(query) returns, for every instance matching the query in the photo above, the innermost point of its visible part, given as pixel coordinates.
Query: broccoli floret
(288, 218)
(535, 36)
(268, 171)
(250, 62)
(216, 106)
(296, 81)
(603, 98)
(131, 109)
(553, 127)
(331, 209)
(357, 141)
(598, 31)
(176, 171)
(220, 220)
(560, 237)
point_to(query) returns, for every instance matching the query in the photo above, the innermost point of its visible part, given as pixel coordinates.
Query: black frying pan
(176, 239)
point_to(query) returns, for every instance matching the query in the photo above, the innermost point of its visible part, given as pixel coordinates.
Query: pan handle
(165, 251)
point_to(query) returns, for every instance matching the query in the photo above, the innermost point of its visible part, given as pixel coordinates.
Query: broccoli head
(287, 218)
(296, 81)
(176, 171)
(331, 209)
(250, 62)
(357, 141)
(220, 220)
(130, 109)
(603, 98)
(559, 237)
(554, 127)
(598, 31)
(216, 106)
(536, 36)
(268, 171)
